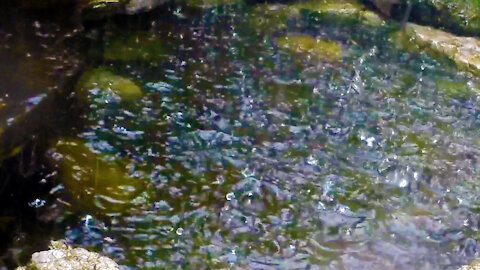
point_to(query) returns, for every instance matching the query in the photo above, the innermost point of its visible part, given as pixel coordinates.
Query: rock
(104, 79)
(135, 6)
(475, 265)
(63, 257)
(464, 51)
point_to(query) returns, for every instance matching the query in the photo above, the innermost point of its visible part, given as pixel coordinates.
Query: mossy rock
(325, 49)
(104, 3)
(95, 182)
(135, 46)
(104, 79)
(341, 11)
(205, 4)
(271, 17)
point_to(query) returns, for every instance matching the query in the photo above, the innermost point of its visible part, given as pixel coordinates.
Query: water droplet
(220, 179)
(230, 196)
(87, 220)
(179, 231)
(37, 203)
(312, 161)
(370, 141)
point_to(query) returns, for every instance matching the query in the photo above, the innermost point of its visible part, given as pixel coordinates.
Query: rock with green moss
(325, 49)
(105, 79)
(341, 11)
(62, 257)
(464, 51)
(205, 4)
(268, 17)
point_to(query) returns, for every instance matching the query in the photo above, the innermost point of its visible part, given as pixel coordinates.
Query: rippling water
(242, 154)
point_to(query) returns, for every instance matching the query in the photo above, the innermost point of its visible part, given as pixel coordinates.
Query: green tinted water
(262, 140)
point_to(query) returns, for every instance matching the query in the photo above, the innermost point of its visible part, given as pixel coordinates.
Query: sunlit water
(250, 156)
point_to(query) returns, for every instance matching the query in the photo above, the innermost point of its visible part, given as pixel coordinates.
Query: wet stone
(61, 256)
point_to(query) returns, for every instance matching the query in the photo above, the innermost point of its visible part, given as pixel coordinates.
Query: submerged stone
(464, 51)
(62, 257)
(329, 50)
(104, 79)
(94, 181)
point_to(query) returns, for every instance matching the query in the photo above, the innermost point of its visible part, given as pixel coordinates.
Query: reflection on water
(247, 151)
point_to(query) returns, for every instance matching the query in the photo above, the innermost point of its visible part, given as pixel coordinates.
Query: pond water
(242, 152)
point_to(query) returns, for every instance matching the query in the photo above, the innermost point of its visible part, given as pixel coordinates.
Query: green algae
(453, 89)
(105, 79)
(270, 18)
(134, 46)
(326, 49)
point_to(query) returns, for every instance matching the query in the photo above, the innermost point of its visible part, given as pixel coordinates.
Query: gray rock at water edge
(475, 265)
(464, 51)
(63, 257)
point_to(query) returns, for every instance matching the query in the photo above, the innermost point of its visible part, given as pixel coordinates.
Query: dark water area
(337, 151)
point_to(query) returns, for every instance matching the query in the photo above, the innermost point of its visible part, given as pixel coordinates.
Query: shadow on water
(252, 137)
